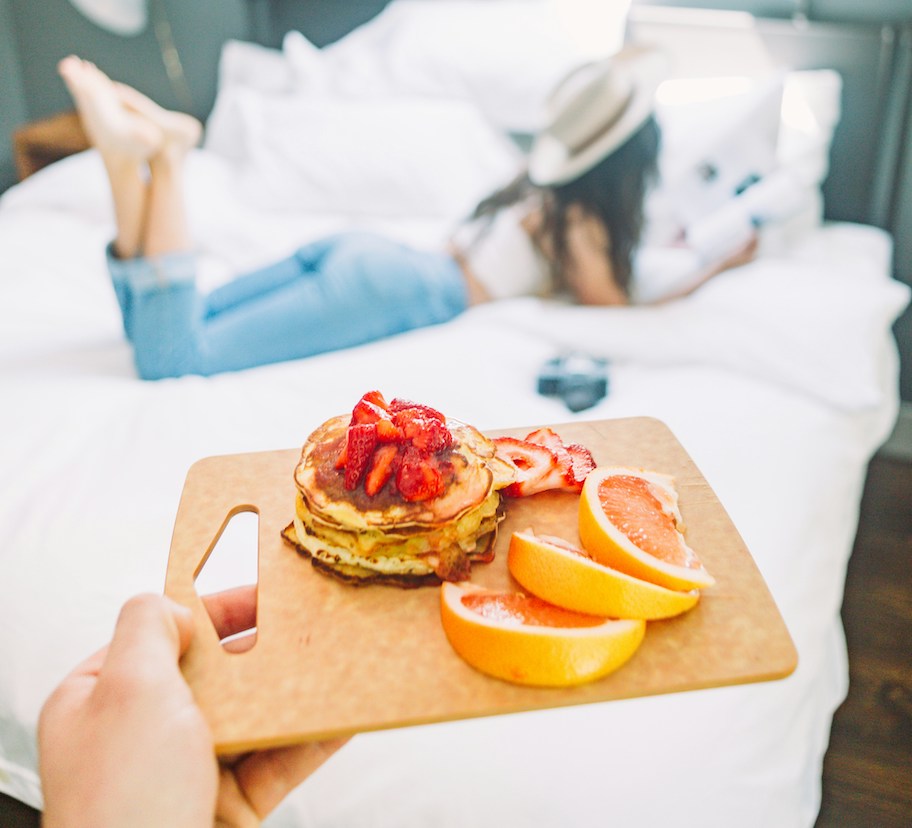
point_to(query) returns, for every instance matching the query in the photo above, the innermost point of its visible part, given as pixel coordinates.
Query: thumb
(151, 630)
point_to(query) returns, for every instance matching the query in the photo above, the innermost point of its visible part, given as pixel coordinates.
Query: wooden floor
(868, 768)
(867, 772)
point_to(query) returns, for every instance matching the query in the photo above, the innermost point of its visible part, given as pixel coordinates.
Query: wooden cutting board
(332, 659)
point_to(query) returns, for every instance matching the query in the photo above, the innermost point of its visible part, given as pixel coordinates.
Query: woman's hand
(743, 255)
(122, 742)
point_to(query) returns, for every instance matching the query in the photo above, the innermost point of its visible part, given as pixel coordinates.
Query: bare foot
(180, 130)
(110, 126)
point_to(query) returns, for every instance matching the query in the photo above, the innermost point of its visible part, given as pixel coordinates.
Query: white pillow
(244, 69)
(778, 127)
(718, 134)
(811, 109)
(405, 115)
(75, 184)
(505, 55)
(391, 157)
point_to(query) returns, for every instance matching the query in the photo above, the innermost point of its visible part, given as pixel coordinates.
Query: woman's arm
(744, 254)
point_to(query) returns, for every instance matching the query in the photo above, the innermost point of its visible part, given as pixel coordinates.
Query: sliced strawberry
(424, 431)
(399, 404)
(383, 464)
(418, 477)
(428, 435)
(574, 459)
(433, 436)
(366, 412)
(523, 454)
(545, 436)
(376, 398)
(388, 431)
(362, 439)
(342, 459)
(369, 409)
(537, 467)
(583, 462)
(549, 437)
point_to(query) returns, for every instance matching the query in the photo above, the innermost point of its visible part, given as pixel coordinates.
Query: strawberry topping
(419, 476)
(397, 441)
(388, 431)
(383, 465)
(424, 432)
(367, 412)
(359, 447)
(398, 404)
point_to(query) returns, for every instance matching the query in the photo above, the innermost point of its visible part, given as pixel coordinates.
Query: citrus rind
(536, 655)
(611, 547)
(569, 579)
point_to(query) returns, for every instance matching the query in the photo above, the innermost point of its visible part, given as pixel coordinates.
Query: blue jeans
(338, 292)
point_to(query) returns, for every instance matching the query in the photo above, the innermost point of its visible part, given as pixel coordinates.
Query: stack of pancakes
(383, 538)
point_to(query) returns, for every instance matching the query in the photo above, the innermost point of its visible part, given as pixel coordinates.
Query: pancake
(383, 537)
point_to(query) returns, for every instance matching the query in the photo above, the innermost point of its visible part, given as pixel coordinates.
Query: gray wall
(899, 217)
(322, 21)
(36, 34)
(12, 95)
(870, 43)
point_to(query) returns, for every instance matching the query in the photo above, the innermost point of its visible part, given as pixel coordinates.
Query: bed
(779, 379)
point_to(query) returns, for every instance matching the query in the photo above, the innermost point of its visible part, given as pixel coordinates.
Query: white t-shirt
(501, 256)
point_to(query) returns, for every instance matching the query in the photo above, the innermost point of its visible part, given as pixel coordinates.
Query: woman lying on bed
(569, 224)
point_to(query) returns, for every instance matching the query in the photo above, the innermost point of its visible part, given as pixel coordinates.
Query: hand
(122, 742)
(742, 256)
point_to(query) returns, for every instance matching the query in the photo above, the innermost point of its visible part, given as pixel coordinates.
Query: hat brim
(552, 163)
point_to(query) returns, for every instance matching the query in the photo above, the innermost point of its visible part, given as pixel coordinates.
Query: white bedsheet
(779, 379)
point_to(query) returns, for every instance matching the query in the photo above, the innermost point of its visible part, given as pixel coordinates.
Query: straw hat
(594, 110)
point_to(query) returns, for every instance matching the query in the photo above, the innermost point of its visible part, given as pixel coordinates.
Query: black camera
(579, 380)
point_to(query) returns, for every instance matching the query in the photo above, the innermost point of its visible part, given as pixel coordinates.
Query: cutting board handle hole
(232, 561)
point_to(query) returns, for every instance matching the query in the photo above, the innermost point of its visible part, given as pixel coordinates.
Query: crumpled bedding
(778, 378)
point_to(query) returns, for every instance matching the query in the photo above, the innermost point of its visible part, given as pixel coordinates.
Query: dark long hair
(613, 192)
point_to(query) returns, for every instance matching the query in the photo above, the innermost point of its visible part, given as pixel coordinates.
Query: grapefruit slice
(565, 575)
(522, 639)
(629, 520)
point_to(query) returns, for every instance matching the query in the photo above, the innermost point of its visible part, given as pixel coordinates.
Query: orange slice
(629, 520)
(565, 575)
(522, 639)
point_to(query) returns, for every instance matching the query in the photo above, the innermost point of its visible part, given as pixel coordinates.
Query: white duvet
(779, 379)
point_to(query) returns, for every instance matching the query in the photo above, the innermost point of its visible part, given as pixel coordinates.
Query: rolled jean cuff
(142, 274)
